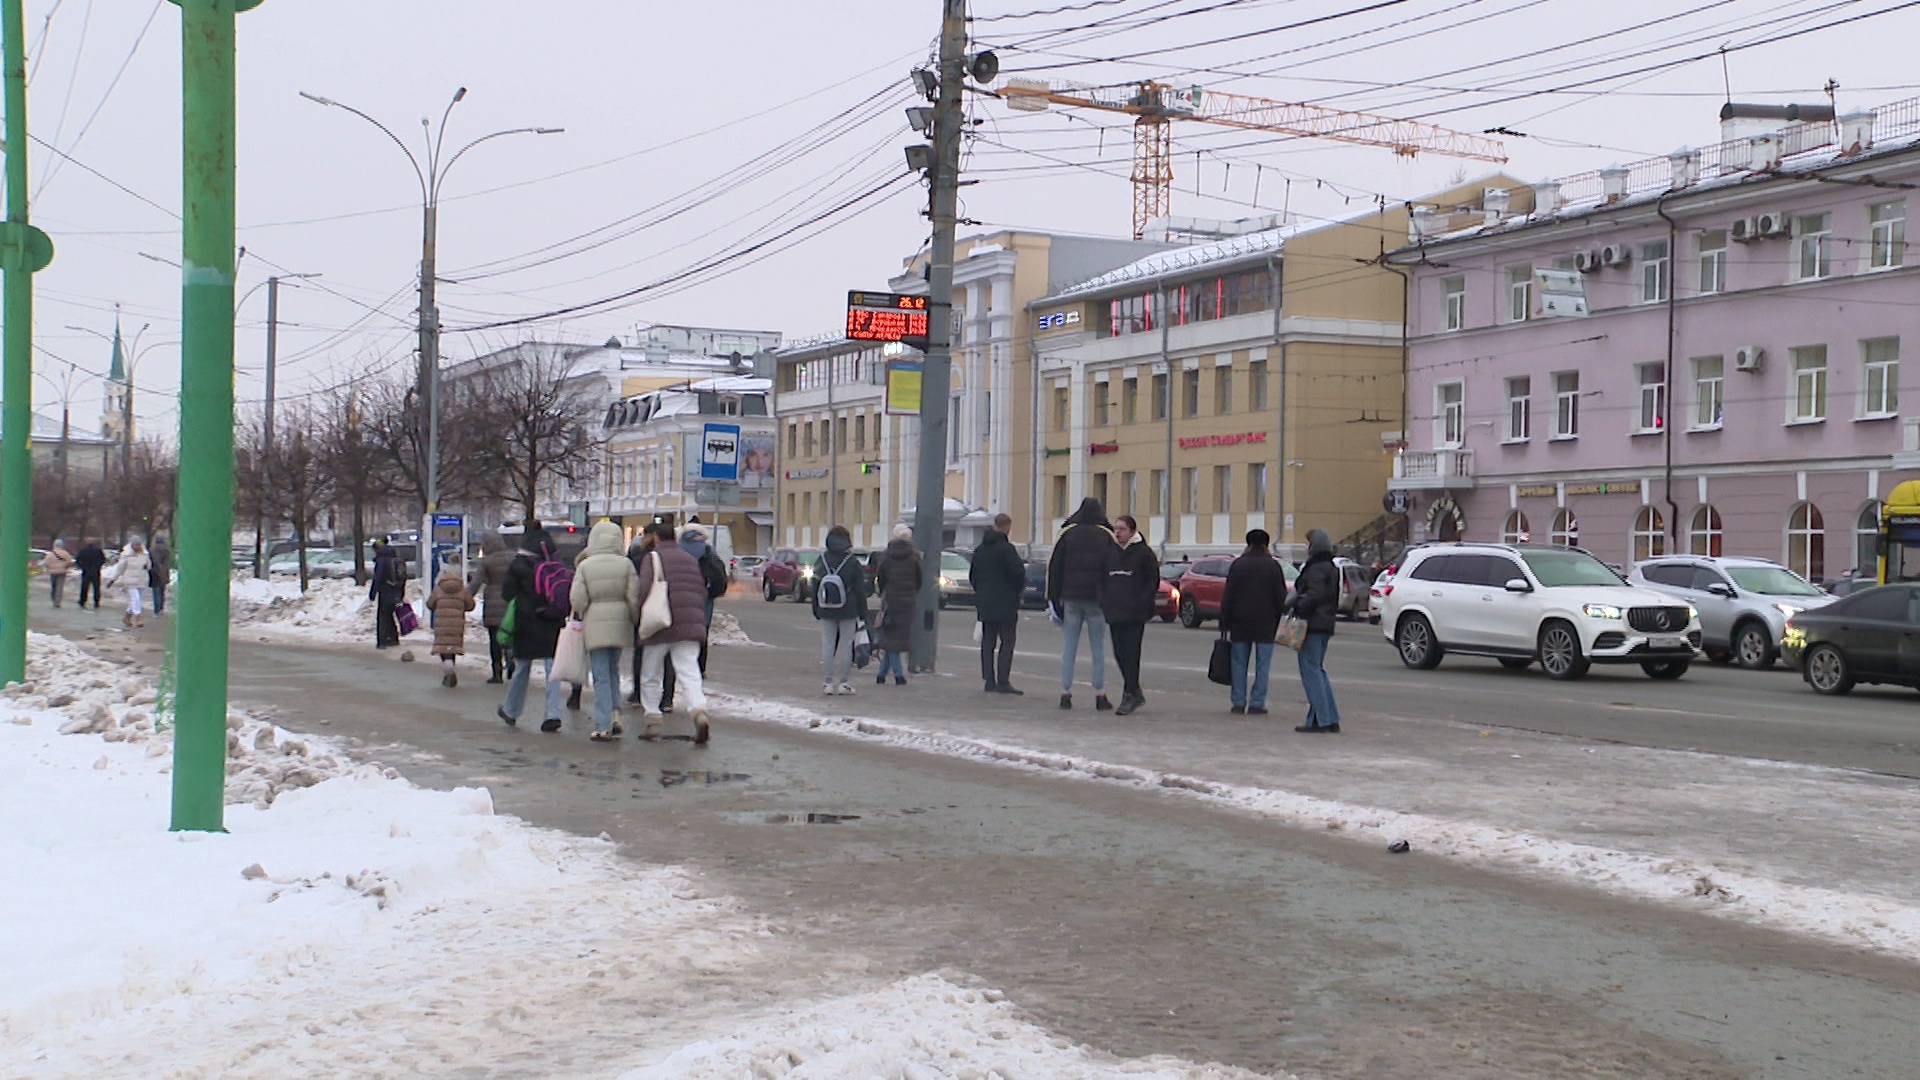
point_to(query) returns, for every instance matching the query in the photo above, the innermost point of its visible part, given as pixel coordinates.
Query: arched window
(1866, 540)
(1704, 535)
(1566, 529)
(1649, 534)
(1516, 530)
(1807, 542)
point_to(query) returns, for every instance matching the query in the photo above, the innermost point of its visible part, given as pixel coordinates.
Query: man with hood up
(1075, 575)
(1316, 597)
(535, 636)
(840, 610)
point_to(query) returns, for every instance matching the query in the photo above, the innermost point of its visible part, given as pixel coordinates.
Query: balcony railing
(1433, 469)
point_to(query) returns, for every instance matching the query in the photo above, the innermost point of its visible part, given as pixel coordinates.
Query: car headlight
(1601, 611)
(946, 582)
(1176, 594)
(1693, 613)
(806, 572)
(1793, 636)
(1789, 610)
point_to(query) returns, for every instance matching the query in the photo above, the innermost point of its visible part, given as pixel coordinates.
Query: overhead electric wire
(54, 168)
(1222, 40)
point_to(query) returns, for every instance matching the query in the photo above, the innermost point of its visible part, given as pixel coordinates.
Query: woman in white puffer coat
(130, 574)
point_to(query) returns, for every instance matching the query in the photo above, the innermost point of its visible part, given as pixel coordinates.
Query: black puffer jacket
(839, 558)
(1079, 564)
(899, 580)
(998, 577)
(1316, 592)
(1133, 583)
(1256, 594)
(535, 637)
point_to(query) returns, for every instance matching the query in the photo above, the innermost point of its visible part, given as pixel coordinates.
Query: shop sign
(1198, 442)
(805, 474)
(1059, 320)
(1613, 487)
(1397, 502)
(1104, 448)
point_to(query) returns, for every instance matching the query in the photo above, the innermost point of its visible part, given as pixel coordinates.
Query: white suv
(1518, 604)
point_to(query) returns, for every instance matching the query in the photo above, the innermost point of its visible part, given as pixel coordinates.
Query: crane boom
(1155, 105)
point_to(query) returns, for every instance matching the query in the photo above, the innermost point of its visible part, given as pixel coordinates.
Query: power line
(54, 169)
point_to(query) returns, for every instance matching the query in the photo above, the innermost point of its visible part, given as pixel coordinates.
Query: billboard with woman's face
(756, 462)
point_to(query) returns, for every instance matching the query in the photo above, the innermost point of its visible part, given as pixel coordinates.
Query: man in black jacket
(89, 559)
(998, 577)
(1316, 596)
(1075, 574)
(387, 590)
(1256, 595)
(1126, 599)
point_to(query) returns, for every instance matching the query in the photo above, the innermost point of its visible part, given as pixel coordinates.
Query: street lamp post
(432, 174)
(266, 464)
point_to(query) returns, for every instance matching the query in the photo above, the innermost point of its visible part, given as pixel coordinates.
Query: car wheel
(1560, 655)
(1664, 669)
(1753, 646)
(1168, 618)
(1516, 663)
(766, 590)
(1715, 656)
(1827, 670)
(1189, 614)
(1415, 641)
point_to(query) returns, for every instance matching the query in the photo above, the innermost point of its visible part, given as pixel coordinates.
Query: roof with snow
(1251, 247)
(47, 430)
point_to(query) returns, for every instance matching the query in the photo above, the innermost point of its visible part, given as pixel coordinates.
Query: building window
(1516, 530)
(860, 433)
(1257, 385)
(1129, 401)
(1713, 261)
(1061, 408)
(1807, 542)
(1130, 492)
(1519, 293)
(1060, 497)
(793, 439)
(1257, 488)
(840, 435)
(1809, 382)
(1566, 528)
(1102, 400)
(806, 506)
(1709, 392)
(1450, 414)
(1813, 244)
(859, 504)
(1653, 397)
(1223, 489)
(1100, 488)
(1190, 392)
(1453, 301)
(807, 430)
(1159, 479)
(1566, 405)
(1649, 534)
(1131, 315)
(1222, 391)
(1704, 535)
(953, 430)
(792, 517)
(1189, 491)
(1519, 409)
(1886, 235)
(1866, 540)
(1654, 272)
(1882, 382)
(1160, 402)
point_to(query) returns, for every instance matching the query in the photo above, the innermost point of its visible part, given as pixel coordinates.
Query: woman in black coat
(1126, 599)
(1316, 596)
(899, 579)
(535, 636)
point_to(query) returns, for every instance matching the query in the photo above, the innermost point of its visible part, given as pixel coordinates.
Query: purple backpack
(553, 585)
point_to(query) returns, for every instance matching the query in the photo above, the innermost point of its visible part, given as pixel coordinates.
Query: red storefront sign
(1200, 441)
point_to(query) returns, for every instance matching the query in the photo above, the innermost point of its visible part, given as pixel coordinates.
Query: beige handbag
(656, 614)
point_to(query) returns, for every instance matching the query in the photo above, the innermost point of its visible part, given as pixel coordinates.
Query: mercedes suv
(1522, 604)
(1744, 604)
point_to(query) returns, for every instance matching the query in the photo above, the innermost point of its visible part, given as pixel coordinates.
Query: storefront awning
(760, 517)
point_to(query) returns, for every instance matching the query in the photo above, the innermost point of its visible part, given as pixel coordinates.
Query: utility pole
(266, 436)
(203, 526)
(429, 384)
(929, 515)
(24, 251)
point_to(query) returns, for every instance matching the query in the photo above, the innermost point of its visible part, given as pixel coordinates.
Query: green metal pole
(203, 526)
(23, 251)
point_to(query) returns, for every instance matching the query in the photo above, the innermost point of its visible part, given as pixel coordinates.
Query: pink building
(1695, 353)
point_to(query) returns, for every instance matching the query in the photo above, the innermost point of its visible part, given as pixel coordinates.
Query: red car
(1204, 585)
(789, 572)
(1166, 603)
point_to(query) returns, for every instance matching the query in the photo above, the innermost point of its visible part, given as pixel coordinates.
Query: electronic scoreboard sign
(886, 317)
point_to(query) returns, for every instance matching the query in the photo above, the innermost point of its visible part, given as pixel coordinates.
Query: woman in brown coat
(450, 601)
(679, 643)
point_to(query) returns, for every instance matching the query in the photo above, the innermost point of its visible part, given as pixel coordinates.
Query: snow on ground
(351, 924)
(1877, 922)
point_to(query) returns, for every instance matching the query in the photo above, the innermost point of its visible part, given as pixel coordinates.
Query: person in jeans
(679, 643)
(487, 579)
(159, 572)
(606, 600)
(839, 623)
(1075, 574)
(535, 636)
(998, 576)
(89, 559)
(1316, 596)
(57, 563)
(897, 582)
(1126, 599)
(1256, 594)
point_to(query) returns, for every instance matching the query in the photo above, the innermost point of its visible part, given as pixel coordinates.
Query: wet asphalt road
(1135, 923)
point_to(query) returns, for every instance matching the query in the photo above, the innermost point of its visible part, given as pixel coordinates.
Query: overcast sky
(696, 131)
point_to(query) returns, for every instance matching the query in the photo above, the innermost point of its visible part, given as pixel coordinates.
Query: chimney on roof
(1738, 121)
(1683, 168)
(1421, 224)
(1613, 182)
(1546, 197)
(1856, 132)
(1765, 150)
(1493, 205)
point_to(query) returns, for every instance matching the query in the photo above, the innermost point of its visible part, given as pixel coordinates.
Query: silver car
(1744, 604)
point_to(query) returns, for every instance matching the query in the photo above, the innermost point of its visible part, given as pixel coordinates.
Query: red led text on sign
(864, 325)
(1199, 441)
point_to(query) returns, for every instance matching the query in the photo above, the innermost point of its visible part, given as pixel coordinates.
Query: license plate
(1669, 642)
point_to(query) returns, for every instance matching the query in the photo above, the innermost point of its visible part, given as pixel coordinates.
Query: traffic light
(868, 468)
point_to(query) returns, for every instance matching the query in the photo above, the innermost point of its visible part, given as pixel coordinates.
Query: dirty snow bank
(1877, 922)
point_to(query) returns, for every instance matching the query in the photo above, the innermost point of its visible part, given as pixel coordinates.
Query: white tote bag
(570, 655)
(656, 614)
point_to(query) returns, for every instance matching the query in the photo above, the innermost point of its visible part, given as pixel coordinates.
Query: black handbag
(1220, 664)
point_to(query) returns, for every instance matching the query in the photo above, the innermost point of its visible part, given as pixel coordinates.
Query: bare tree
(363, 474)
(541, 429)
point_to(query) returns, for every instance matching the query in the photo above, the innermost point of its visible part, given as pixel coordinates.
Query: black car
(1872, 636)
(1034, 596)
(1847, 586)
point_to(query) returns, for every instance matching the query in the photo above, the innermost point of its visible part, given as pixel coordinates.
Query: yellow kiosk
(1900, 534)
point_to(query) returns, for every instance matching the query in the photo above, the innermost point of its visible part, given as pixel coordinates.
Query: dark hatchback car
(1034, 596)
(1872, 636)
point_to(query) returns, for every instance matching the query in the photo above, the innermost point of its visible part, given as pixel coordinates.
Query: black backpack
(396, 569)
(714, 570)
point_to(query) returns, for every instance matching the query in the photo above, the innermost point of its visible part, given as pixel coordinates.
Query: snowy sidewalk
(351, 924)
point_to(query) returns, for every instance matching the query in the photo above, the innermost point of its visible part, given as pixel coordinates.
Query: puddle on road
(676, 778)
(809, 819)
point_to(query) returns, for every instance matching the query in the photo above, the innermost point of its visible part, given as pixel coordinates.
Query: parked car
(1033, 596)
(1353, 589)
(321, 563)
(1205, 583)
(34, 555)
(1520, 604)
(747, 566)
(789, 572)
(1865, 637)
(1166, 602)
(1378, 591)
(1847, 586)
(1744, 604)
(956, 586)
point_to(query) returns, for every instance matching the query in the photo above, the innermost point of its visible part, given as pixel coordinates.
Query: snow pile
(1883, 923)
(924, 1028)
(726, 630)
(333, 610)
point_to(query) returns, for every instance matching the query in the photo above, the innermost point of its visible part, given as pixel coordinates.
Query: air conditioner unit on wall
(1772, 223)
(1587, 262)
(1749, 358)
(1744, 230)
(1616, 254)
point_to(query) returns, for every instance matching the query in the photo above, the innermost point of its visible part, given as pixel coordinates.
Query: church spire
(118, 371)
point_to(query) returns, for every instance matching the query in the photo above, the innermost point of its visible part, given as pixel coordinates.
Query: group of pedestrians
(141, 573)
(1256, 602)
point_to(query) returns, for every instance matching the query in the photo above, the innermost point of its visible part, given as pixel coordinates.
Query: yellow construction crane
(1155, 105)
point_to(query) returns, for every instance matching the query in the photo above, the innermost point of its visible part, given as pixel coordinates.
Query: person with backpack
(714, 572)
(679, 642)
(898, 582)
(606, 599)
(840, 603)
(539, 590)
(159, 572)
(388, 589)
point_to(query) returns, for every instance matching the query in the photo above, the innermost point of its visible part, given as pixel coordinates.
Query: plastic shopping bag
(570, 657)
